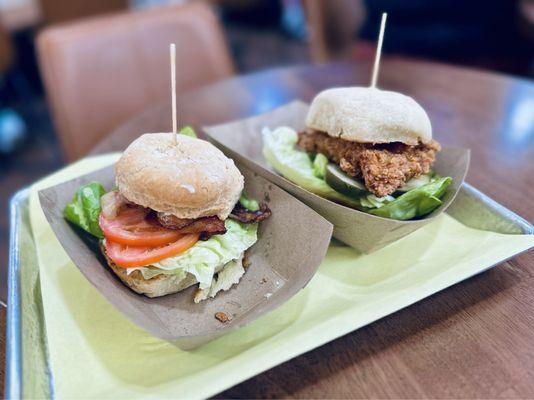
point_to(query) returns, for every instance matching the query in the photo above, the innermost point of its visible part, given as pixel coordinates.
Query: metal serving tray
(471, 207)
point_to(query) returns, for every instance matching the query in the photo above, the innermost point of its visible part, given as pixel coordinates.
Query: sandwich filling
(383, 167)
(391, 181)
(179, 216)
(206, 258)
(211, 244)
(139, 239)
(208, 226)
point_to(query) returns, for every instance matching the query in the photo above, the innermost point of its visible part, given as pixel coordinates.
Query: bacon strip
(209, 226)
(240, 213)
(206, 226)
(172, 222)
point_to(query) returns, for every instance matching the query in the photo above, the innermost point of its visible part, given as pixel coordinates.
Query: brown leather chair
(101, 72)
(55, 11)
(332, 26)
(6, 51)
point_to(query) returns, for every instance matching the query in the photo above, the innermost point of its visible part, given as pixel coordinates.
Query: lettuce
(188, 131)
(319, 165)
(371, 201)
(84, 208)
(230, 275)
(279, 150)
(415, 203)
(206, 257)
(248, 203)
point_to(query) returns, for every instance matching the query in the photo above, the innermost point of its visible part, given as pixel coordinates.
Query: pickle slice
(343, 183)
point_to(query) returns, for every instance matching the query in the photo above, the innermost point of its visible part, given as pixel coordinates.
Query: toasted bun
(160, 285)
(189, 179)
(369, 115)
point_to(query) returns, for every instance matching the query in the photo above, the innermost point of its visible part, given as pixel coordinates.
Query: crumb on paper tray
(221, 316)
(246, 260)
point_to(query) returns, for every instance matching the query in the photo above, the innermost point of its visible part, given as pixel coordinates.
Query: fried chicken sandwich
(367, 148)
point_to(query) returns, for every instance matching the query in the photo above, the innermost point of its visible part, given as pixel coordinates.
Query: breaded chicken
(383, 167)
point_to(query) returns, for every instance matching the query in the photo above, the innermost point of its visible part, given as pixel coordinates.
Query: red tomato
(131, 227)
(135, 256)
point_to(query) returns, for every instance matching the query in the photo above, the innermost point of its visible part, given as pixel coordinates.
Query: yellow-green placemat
(95, 352)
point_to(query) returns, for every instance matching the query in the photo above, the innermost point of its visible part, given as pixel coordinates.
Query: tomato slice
(138, 256)
(132, 227)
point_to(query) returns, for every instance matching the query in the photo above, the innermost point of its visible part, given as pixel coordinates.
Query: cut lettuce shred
(371, 201)
(230, 275)
(206, 257)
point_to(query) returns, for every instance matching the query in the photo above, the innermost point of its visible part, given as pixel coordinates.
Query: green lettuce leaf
(248, 203)
(207, 257)
(371, 201)
(188, 131)
(279, 150)
(84, 208)
(319, 165)
(415, 203)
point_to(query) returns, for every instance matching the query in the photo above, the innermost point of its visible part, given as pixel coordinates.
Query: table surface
(475, 339)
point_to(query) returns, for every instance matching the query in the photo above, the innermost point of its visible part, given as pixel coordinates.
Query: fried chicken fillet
(383, 167)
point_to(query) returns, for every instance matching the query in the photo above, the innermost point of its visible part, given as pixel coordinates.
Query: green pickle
(343, 183)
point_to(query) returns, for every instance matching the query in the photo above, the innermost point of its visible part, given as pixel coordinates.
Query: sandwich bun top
(369, 115)
(189, 179)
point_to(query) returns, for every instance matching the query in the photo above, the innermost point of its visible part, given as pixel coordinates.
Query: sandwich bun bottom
(160, 285)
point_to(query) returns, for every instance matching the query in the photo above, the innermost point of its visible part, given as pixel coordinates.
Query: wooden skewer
(379, 50)
(173, 90)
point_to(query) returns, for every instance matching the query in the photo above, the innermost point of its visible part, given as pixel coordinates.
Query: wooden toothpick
(173, 90)
(379, 50)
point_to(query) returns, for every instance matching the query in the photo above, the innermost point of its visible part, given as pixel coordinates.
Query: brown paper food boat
(291, 245)
(242, 141)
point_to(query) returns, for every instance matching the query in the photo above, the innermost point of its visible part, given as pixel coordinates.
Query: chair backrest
(6, 51)
(55, 11)
(332, 27)
(101, 72)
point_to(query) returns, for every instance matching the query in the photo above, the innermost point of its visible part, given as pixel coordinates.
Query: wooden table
(475, 339)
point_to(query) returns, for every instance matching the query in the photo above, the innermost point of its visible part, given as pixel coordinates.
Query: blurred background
(72, 70)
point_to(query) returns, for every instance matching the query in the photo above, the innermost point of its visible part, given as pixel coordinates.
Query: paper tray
(284, 260)
(471, 207)
(242, 140)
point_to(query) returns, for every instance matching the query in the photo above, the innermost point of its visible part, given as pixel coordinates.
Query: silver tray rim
(13, 366)
(13, 362)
